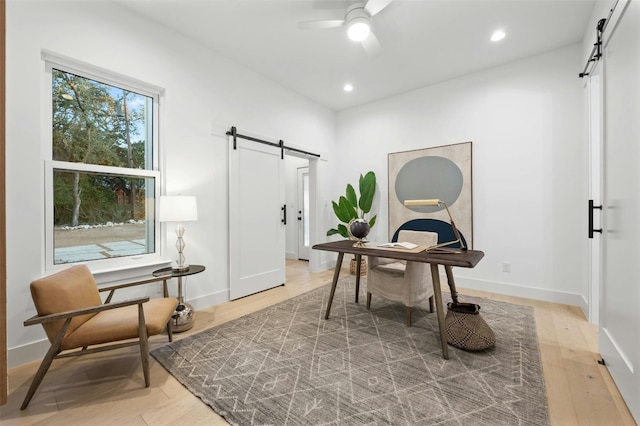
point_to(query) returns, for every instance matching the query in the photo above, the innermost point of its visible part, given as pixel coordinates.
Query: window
(101, 167)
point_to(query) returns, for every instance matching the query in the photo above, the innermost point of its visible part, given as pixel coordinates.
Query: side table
(184, 315)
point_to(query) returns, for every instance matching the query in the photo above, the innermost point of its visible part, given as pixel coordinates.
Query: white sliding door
(256, 218)
(619, 337)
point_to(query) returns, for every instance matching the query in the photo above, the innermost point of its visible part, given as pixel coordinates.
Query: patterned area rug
(287, 365)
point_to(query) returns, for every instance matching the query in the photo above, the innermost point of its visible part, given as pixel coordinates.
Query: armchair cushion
(121, 324)
(68, 290)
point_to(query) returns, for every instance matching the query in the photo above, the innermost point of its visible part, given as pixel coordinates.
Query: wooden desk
(466, 259)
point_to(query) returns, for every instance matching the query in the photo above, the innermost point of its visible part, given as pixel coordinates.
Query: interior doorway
(297, 176)
(302, 205)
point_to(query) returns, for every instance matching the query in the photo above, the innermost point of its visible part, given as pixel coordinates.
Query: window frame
(85, 70)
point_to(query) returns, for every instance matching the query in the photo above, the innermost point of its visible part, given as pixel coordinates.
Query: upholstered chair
(409, 283)
(74, 318)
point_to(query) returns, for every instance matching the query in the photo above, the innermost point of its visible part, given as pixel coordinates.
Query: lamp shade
(178, 208)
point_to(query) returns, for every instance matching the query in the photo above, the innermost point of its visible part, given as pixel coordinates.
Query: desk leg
(452, 284)
(336, 274)
(358, 269)
(437, 293)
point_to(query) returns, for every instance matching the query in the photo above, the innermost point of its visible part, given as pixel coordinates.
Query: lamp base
(180, 268)
(183, 318)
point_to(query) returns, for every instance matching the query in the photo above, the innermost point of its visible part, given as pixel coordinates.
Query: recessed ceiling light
(498, 35)
(348, 87)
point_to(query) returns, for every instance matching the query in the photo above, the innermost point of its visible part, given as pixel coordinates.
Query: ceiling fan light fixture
(498, 35)
(358, 29)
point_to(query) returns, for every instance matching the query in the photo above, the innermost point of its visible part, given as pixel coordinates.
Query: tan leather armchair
(73, 315)
(407, 282)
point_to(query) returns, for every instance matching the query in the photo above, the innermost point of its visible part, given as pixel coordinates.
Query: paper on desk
(406, 245)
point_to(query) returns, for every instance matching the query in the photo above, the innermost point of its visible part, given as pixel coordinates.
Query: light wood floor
(108, 388)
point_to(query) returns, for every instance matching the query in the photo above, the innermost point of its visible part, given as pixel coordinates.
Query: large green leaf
(342, 230)
(332, 231)
(351, 195)
(373, 221)
(367, 191)
(349, 207)
(344, 210)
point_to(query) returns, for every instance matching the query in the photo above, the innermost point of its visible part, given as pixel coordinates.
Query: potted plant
(352, 210)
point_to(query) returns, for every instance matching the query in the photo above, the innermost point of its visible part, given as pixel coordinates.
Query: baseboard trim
(209, 300)
(27, 353)
(527, 292)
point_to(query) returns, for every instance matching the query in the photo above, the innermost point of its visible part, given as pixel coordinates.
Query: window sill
(127, 272)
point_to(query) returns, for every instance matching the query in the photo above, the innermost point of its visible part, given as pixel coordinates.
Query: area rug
(287, 365)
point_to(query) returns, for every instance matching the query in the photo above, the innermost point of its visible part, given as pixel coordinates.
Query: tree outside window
(102, 165)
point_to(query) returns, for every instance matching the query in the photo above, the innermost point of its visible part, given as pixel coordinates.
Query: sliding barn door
(619, 335)
(256, 218)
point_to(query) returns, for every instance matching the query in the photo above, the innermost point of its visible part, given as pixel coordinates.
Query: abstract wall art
(442, 172)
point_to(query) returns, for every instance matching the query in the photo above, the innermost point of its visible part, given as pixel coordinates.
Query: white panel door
(256, 218)
(595, 189)
(619, 336)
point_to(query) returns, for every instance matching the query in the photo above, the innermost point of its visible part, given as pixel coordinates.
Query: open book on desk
(404, 245)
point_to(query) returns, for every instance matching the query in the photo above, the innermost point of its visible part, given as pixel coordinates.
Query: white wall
(526, 122)
(205, 95)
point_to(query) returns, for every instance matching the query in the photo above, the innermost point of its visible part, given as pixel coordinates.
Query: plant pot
(363, 266)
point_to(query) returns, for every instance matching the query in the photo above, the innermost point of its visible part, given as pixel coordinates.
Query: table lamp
(437, 202)
(178, 208)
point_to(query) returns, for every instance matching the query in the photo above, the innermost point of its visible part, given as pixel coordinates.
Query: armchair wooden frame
(54, 351)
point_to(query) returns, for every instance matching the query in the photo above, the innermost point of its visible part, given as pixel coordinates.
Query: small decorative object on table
(466, 329)
(358, 231)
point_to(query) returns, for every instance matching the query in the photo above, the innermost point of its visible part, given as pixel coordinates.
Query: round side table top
(193, 269)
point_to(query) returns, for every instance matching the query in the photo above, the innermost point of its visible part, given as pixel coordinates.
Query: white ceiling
(423, 41)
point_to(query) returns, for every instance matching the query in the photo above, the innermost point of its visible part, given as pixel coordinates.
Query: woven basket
(466, 329)
(363, 266)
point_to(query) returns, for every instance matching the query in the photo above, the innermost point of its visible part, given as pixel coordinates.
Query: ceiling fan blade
(375, 6)
(318, 25)
(372, 45)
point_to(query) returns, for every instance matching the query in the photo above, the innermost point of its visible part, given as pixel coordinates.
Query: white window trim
(109, 266)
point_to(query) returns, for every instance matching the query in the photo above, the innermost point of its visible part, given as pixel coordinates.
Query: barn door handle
(284, 214)
(591, 209)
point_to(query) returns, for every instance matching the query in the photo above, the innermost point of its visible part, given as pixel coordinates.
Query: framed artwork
(442, 172)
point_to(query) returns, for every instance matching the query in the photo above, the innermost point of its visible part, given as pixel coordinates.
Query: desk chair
(72, 313)
(407, 282)
(442, 228)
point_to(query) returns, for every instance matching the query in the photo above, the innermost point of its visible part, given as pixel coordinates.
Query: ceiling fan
(357, 19)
